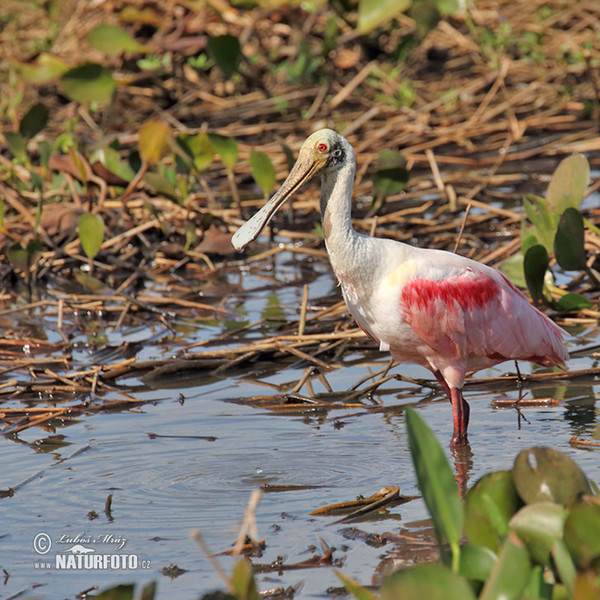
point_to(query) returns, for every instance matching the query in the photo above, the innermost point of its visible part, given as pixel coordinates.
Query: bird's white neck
(336, 208)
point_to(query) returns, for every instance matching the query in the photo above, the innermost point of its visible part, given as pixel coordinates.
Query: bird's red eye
(322, 147)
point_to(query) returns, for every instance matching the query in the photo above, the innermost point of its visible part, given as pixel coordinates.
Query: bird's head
(325, 150)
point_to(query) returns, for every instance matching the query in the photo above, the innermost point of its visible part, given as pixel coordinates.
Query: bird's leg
(443, 383)
(460, 413)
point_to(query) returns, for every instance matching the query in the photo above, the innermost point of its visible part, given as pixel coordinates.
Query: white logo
(78, 553)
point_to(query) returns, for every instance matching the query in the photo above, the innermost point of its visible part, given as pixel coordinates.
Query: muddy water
(209, 450)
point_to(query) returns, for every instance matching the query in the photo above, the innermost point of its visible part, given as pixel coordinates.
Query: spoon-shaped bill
(302, 171)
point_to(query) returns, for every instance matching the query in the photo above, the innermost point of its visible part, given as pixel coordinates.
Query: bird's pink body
(448, 313)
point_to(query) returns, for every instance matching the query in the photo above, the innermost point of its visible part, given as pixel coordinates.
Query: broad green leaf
(510, 574)
(582, 533)
(547, 475)
(564, 564)
(243, 582)
(535, 266)
(91, 233)
(154, 141)
(199, 148)
(572, 302)
(436, 482)
(34, 121)
(391, 175)
(568, 242)
(226, 148)
(426, 15)
(538, 526)
(373, 13)
(161, 185)
(17, 257)
(512, 267)
(79, 163)
(111, 39)
(544, 223)
(568, 184)
(476, 562)
(16, 144)
(110, 158)
(34, 250)
(45, 151)
(430, 581)
(355, 589)
(226, 52)
(489, 505)
(46, 67)
(537, 587)
(89, 82)
(447, 7)
(263, 170)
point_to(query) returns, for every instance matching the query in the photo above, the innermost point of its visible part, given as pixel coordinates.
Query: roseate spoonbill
(448, 313)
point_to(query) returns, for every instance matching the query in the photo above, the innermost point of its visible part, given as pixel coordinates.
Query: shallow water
(164, 488)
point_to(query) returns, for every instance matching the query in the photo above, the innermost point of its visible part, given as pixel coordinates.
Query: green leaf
(512, 267)
(111, 40)
(510, 574)
(436, 482)
(16, 144)
(34, 121)
(161, 185)
(226, 148)
(45, 151)
(17, 257)
(242, 580)
(426, 15)
(226, 52)
(535, 266)
(263, 170)
(355, 589)
(476, 562)
(89, 82)
(537, 587)
(544, 223)
(447, 7)
(547, 475)
(538, 526)
(568, 242)
(154, 141)
(110, 158)
(391, 175)
(572, 302)
(199, 149)
(564, 564)
(568, 184)
(91, 233)
(582, 533)
(373, 13)
(489, 505)
(430, 581)
(46, 67)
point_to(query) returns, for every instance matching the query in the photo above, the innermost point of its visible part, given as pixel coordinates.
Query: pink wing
(479, 316)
